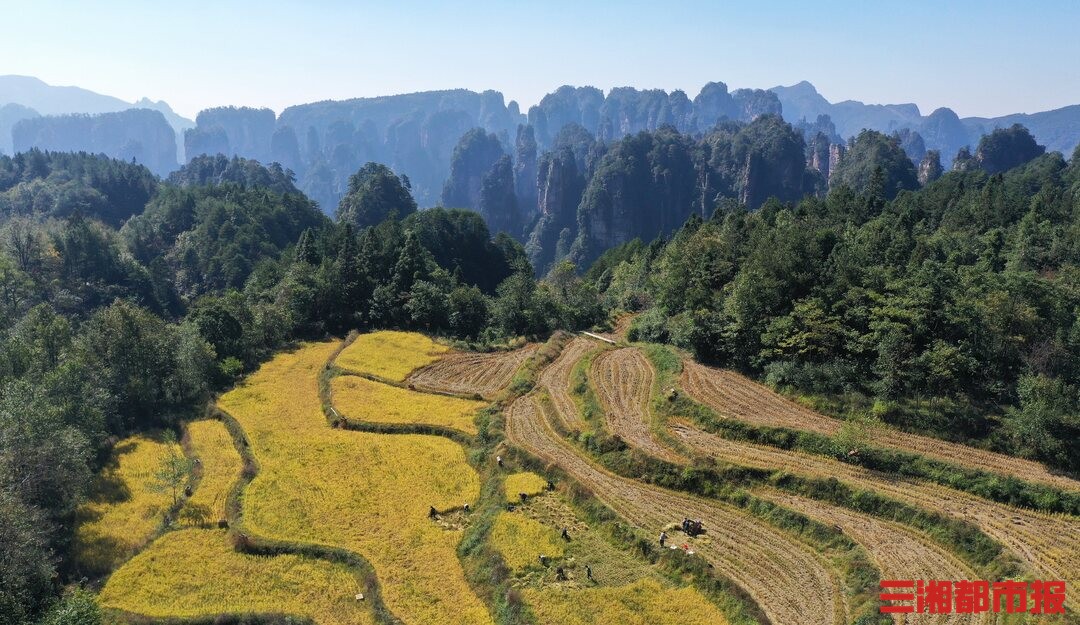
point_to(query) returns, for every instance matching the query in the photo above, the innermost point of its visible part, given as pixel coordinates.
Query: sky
(980, 58)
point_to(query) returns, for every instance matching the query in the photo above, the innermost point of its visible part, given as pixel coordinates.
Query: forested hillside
(944, 304)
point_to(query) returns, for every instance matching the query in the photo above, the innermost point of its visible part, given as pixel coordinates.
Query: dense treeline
(954, 309)
(125, 301)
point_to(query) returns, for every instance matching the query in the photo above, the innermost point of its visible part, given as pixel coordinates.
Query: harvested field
(645, 602)
(555, 379)
(522, 541)
(359, 398)
(899, 552)
(623, 379)
(734, 396)
(123, 511)
(622, 326)
(195, 573)
(526, 482)
(219, 464)
(1048, 544)
(776, 570)
(468, 373)
(389, 354)
(364, 492)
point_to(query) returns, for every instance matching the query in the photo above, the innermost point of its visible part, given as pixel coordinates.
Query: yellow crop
(368, 493)
(390, 355)
(375, 402)
(123, 512)
(525, 482)
(195, 573)
(522, 540)
(642, 603)
(220, 465)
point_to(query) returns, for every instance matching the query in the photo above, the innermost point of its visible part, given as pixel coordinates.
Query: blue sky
(980, 58)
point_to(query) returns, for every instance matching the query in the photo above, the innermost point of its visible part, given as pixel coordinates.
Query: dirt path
(899, 552)
(466, 373)
(622, 326)
(792, 584)
(1049, 544)
(624, 382)
(555, 379)
(735, 396)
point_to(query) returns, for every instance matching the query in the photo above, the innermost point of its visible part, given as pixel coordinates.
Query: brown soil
(624, 382)
(468, 373)
(734, 396)
(789, 581)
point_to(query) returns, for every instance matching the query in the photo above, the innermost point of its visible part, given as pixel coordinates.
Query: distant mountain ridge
(943, 129)
(324, 142)
(36, 98)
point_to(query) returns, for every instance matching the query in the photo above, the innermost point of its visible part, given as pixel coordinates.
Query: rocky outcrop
(561, 182)
(930, 167)
(247, 132)
(473, 158)
(525, 181)
(498, 204)
(141, 135)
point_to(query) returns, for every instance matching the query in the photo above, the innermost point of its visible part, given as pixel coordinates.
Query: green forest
(950, 308)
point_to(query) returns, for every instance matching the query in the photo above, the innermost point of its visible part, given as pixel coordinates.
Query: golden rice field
(524, 482)
(195, 573)
(368, 493)
(122, 512)
(366, 400)
(219, 464)
(389, 354)
(522, 541)
(646, 602)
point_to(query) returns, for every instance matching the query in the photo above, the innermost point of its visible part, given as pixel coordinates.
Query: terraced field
(389, 354)
(522, 540)
(364, 492)
(195, 573)
(1048, 544)
(219, 466)
(735, 396)
(374, 402)
(526, 482)
(624, 379)
(777, 571)
(555, 380)
(642, 603)
(123, 511)
(899, 553)
(469, 373)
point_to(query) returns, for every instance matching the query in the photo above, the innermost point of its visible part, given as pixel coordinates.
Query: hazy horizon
(200, 55)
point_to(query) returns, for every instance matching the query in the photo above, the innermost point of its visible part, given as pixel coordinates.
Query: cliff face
(231, 131)
(474, 157)
(560, 184)
(626, 111)
(930, 167)
(139, 134)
